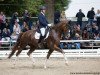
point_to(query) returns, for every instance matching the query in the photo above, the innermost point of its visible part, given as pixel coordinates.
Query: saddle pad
(37, 35)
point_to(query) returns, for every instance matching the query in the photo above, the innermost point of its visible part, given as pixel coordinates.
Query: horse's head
(61, 27)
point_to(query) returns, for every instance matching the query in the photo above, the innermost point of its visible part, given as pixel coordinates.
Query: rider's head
(43, 9)
(92, 8)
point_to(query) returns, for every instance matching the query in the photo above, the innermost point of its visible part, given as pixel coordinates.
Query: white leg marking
(66, 61)
(15, 60)
(32, 58)
(45, 63)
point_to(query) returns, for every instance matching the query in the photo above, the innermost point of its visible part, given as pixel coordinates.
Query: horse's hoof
(66, 63)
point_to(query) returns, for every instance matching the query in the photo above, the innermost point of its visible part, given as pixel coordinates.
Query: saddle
(45, 36)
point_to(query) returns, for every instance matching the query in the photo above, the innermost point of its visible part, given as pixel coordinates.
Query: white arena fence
(69, 52)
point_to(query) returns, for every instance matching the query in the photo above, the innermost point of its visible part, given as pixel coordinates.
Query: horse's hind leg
(61, 51)
(19, 51)
(20, 47)
(48, 55)
(13, 51)
(29, 53)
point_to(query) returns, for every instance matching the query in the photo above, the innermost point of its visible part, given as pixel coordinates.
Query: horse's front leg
(61, 51)
(48, 55)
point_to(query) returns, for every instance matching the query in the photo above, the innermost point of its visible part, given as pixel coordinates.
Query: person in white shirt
(16, 28)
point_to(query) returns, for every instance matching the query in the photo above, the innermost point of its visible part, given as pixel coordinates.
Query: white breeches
(42, 31)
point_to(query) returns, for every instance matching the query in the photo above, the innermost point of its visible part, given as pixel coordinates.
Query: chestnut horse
(52, 42)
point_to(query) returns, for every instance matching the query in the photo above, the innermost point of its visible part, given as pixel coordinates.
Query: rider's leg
(40, 39)
(42, 34)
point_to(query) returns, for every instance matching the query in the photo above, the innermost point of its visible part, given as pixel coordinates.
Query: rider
(43, 23)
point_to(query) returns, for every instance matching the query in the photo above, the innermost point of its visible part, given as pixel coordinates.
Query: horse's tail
(15, 46)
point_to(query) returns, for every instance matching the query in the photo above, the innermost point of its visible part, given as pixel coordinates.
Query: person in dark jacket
(27, 19)
(56, 17)
(90, 16)
(13, 19)
(79, 16)
(43, 23)
(6, 34)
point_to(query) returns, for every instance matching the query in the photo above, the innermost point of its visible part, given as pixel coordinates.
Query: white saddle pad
(37, 35)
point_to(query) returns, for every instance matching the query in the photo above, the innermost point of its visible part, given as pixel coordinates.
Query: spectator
(98, 18)
(90, 16)
(69, 44)
(13, 19)
(95, 29)
(25, 27)
(2, 20)
(61, 45)
(56, 17)
(85, 35)
(77, 29)
(97, 36)
(79, 16)
(89, 30)
(14, 36)
(7, 24)
(26, 18)
(6, 34)
(77, 44)
(16, 28)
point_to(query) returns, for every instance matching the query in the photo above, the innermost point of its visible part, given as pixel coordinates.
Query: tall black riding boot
(41, 38)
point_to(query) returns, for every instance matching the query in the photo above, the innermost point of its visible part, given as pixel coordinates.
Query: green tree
(33, 6)
(55, 5)
(10, 6)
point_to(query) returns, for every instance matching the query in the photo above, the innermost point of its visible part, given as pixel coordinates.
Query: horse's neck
(57, 26)
(58, 31)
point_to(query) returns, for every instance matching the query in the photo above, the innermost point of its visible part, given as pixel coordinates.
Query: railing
(7, 43)
(69, 52)
(81, 41)
(75, 18)
(67, 41)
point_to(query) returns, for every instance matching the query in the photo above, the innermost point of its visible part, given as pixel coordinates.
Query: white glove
(49, 25)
